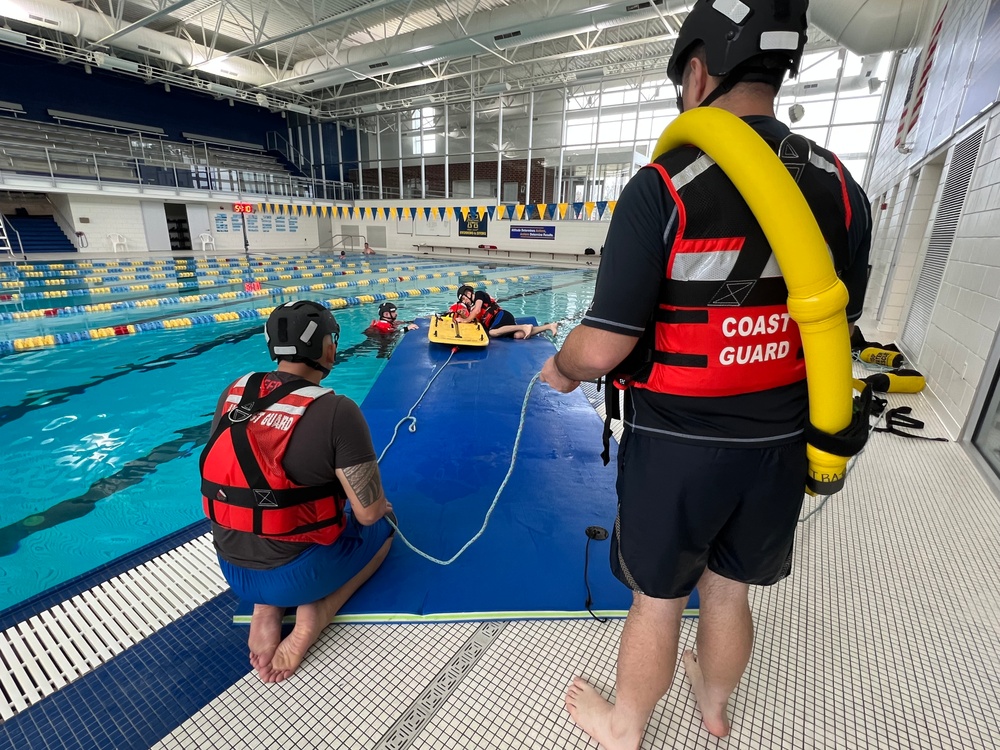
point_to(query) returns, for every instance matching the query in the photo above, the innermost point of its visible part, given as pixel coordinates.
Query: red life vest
(722, 327)
(382, 326)
(459, 310)
(244, 484)
(489, 313)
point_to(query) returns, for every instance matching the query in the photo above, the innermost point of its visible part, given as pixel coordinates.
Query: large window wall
(584, 142)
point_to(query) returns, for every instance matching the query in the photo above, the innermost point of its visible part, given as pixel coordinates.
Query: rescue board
(445, 330)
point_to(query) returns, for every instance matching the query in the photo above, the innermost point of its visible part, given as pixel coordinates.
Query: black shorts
(682, 508)
(504, 319)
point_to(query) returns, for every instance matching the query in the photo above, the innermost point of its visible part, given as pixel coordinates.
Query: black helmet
(465, 288)
(738, 31)
(386, 307)
(295, 331)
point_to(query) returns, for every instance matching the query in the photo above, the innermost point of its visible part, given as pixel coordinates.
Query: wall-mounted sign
(472, 225)
(243, 208)
(532, 232)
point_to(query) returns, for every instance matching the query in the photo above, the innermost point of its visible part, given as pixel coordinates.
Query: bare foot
(713, 712)
(309, 623)
(265, 634)
(524, 333)
(594, 715)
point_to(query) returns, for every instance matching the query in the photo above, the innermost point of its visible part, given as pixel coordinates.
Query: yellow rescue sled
(446, 330)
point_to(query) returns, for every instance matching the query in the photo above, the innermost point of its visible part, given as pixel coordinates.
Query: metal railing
(65, 163)
(345, 241)
(8, 227)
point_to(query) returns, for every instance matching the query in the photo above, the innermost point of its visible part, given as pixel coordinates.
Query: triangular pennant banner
(399, 212)
(449, 213)
(611, 207)
(541, 210)
(427, 213)
(562, 210)
(490, 210)
(465, 212)
(578, 210)
(589, 206)
(519, 211)
(602, 206)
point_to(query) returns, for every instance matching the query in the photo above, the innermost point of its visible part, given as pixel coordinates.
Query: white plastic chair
(207, 241)
(118, 240)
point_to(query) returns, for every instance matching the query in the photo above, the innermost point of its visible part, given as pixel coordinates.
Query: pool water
(103, 437)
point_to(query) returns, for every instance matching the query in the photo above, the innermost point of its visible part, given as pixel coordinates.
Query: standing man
(712, 465)
(285, 460)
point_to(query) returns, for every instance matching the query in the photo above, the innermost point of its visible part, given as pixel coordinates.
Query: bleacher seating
(80, 152)
(39, 234)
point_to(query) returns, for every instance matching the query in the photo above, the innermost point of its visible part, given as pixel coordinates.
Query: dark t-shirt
(633, 267)
(331, 435)
(484, 297)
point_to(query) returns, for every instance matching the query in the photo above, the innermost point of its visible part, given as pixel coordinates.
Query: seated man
(497, 321)
(386, 324)
(291, 483)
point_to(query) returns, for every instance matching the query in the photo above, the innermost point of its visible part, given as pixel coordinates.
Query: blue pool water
(102, 437)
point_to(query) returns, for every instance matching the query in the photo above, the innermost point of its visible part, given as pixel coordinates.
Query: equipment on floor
(897, 381)
(885, 357)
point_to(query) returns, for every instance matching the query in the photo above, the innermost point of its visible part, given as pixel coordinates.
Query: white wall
(571, 236)
(962, 330)
(109, 215)
(128, 217)
(265, 232)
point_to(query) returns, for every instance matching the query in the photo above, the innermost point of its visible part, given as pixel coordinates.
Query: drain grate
(408, 726)
(48, 651)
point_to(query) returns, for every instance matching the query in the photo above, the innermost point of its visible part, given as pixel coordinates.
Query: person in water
(387, 322)
(499, 323)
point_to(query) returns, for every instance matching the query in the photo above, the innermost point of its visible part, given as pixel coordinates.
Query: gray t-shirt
(331, 435)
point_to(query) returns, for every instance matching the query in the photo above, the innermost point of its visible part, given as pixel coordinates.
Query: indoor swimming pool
(103, 436)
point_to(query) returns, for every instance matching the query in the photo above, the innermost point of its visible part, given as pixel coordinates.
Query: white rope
(510, 470)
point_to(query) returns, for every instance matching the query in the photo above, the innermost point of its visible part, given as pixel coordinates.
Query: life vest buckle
(241, 413)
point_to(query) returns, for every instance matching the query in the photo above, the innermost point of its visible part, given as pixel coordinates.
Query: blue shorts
(316, 573)
(503, 319)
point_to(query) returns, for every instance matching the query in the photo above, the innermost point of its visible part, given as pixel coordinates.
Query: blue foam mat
(441, 480)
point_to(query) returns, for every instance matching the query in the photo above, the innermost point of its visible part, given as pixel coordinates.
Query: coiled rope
(510, 470)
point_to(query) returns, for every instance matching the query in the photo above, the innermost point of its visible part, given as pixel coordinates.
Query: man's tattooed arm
(365, 481)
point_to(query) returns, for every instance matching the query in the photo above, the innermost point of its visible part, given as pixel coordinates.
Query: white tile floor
(886, 636)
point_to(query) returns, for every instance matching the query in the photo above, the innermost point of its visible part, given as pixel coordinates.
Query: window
(424, 142)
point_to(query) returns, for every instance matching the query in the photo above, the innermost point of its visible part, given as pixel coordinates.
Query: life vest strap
(899, 417)
(251, 497)
(680, 317)
(612, 411)
(851, 440)
(674, 359)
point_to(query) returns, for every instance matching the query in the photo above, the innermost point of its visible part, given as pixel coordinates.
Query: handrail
(17, 234)
(203, 175)
(342, 242)
(62, 217)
